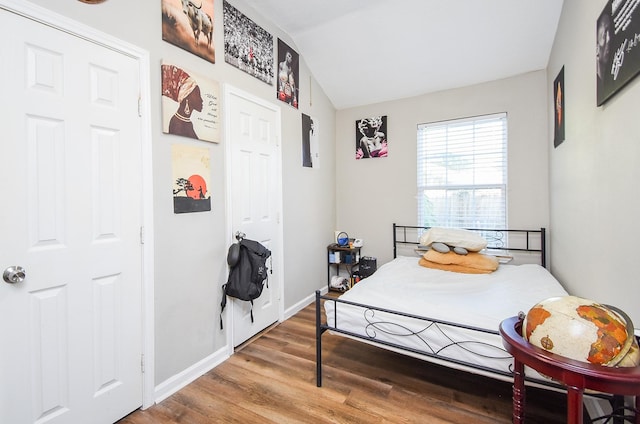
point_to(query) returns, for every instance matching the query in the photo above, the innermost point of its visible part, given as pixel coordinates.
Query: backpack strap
(223, 304)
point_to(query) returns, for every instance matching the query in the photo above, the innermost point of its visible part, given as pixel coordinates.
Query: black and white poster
(247, 45)
(617, 47)
(310, 147)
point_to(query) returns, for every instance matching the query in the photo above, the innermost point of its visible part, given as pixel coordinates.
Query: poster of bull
(188, 24)
(247, 45)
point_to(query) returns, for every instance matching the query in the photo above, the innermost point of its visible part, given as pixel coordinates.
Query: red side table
(576, 376)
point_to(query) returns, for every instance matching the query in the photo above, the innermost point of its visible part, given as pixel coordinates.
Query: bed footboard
(381, 329)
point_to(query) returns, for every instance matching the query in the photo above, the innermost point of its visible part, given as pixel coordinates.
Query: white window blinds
(462, 173)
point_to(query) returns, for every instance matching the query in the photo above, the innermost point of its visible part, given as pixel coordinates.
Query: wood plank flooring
(271, 379)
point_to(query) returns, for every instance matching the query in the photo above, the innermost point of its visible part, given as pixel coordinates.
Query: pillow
(455, 237)
(452, 267)
(472, 260)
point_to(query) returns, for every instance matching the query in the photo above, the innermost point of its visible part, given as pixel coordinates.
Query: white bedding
(475, 300)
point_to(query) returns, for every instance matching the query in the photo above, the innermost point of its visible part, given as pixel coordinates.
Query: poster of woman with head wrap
(190, 104)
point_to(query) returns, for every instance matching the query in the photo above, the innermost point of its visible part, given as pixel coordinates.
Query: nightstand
(339, 257)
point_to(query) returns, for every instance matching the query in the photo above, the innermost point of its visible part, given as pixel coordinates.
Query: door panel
(255, 199)
(71, 331)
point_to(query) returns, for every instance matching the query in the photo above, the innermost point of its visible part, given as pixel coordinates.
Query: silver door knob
(14, 274)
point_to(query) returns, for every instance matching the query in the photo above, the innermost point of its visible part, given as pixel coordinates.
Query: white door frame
(62, 23)
(276, 257)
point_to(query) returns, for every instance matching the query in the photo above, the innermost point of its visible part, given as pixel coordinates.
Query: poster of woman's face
(287, 89)
(190, 104)
(247, 46)
(188, 24)
(371, 137)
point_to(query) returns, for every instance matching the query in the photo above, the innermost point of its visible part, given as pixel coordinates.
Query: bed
(448, 318)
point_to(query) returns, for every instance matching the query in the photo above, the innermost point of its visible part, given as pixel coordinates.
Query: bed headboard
(526, 241)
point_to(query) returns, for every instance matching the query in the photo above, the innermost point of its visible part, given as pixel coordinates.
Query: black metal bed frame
(497, 240)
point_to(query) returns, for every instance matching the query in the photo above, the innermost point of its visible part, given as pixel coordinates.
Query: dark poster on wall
(558, 107)
(617, 47)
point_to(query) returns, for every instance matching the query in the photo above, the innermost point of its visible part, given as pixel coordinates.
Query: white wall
(374, 193)
(190, 249)
(594, 173)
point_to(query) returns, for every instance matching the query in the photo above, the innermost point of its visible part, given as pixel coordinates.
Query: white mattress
(481, 301)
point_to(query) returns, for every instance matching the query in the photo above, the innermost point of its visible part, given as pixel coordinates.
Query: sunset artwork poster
(191, 170)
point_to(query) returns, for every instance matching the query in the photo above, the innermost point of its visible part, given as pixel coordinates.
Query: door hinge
(140, 106)
(141, 235)
(142, 363)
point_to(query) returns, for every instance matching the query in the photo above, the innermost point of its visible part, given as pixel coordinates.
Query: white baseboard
(303, 304)
(178, 381)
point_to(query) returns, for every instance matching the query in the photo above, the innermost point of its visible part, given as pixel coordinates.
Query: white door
(70, 179)
(255, 187)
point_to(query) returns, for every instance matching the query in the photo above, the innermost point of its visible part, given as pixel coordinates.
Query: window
(462, 173)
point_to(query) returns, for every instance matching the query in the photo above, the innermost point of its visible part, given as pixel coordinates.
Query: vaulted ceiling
(368, 51)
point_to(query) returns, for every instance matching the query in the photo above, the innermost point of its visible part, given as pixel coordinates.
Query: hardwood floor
(272, 380)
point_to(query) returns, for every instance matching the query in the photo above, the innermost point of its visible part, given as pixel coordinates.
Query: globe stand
(575, 375)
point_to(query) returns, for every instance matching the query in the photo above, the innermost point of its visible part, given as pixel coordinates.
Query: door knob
(14, 274)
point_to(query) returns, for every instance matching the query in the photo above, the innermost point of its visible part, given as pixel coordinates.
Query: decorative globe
(583, 330)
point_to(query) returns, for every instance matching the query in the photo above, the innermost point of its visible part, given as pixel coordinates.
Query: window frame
(424, 162)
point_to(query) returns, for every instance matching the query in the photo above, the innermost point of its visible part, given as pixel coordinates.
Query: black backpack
(247, 274)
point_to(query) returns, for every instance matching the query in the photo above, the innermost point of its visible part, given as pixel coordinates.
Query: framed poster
(190, 170)
(558, 107)
(617, 47)
(247, 45)
(287, 87)
(188, 24)
(310, 147)
(371, 137)
(190, 104)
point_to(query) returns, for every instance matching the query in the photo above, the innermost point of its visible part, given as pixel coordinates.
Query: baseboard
(182, 379)
(178, 381)
(303, 304)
